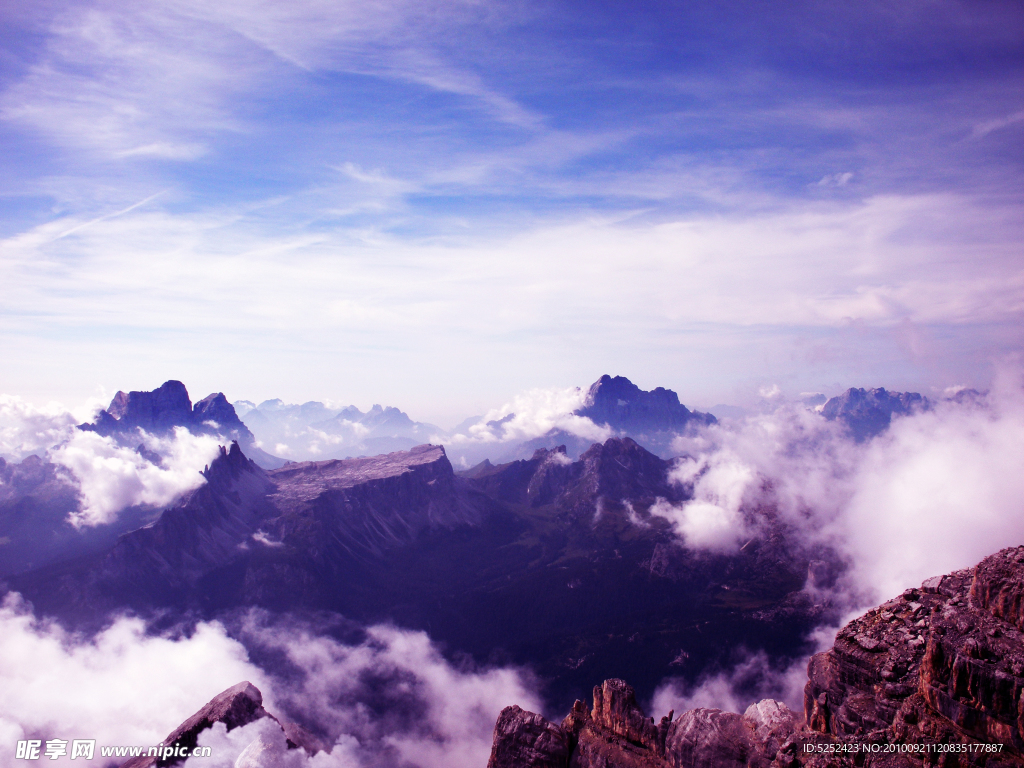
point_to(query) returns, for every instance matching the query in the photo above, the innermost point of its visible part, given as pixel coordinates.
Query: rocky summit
(933, 677)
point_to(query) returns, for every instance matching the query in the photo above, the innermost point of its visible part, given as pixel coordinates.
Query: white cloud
(391, 697)
(938, 491)
(430, 714)
(733, 690)
(713, 519)
(126, 83)
(836, 180)
(120, 687)
(26, 429)
(532, 414)
(112, 477)
(987, 127)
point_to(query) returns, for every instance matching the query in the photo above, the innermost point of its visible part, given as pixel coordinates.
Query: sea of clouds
(389, 699)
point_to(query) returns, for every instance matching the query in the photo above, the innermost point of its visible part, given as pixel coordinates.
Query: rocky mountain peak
(868, 412)
(623, 406)
(215, 407)
(229, 465)
(168, 406)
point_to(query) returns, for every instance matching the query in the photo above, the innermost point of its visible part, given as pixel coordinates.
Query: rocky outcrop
(623, 406)
(168, 406)
(868, 412)
(616, 733)
(526, 740)
(239, 705)
(940, 665)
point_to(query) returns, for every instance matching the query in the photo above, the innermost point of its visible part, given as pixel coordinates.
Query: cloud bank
(26, 429)
(938, 491)
(112, 477)
(391, 697)
(120, 687)
(532, 414)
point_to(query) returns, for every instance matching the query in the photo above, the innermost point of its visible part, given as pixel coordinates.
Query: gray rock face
(710, 737)
(368, 505)
(868, 412)
(619, 403)
(526, 740)
(940, 665)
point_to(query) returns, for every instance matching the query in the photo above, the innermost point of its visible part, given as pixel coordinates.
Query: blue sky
(438, 205)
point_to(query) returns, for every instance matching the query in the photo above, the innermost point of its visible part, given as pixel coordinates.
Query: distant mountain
(868, 412)
(168, 406)
(622, 405)
(653, 419)
(313, 431)
(544, 561)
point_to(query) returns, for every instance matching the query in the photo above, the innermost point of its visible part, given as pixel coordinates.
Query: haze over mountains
(611, 406)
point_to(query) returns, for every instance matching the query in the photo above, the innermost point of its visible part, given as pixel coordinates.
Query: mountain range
(551, 559)
(549, 562)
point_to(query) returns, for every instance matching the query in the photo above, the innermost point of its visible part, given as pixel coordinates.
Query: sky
(439, 205)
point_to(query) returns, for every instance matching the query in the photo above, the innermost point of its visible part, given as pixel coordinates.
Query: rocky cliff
(615, 733)
(939, 665)
(933, 677)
